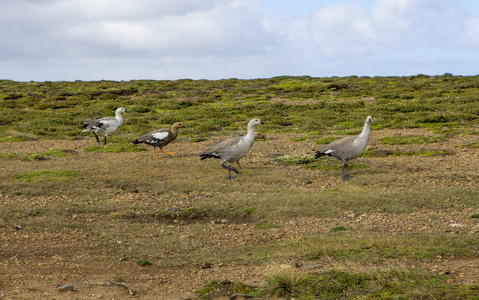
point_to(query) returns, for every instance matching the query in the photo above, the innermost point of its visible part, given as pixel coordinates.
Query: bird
(232, 149)
(259, 136)
(348, 147)
(160, 138)
(104, 125)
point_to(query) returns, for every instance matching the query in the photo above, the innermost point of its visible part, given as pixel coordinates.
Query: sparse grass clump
(287, 283)
(144, 262)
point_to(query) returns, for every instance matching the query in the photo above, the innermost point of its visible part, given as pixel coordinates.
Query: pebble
(66, 288)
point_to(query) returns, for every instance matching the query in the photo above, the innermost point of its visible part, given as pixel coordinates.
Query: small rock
(66, 287)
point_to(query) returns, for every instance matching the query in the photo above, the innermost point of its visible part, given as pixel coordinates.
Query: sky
(66, 40)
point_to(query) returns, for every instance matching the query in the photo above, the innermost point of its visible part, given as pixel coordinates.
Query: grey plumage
(160, 138)
(232, 149)
(104, 125)
(348, 148)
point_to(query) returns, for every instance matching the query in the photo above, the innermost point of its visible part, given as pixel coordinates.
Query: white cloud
(127, 39)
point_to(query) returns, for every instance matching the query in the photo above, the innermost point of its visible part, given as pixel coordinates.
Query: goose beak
(262, 122)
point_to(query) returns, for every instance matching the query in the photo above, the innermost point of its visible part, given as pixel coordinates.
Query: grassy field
(406, 226)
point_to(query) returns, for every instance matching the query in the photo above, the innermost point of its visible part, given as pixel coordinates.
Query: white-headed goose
(104, 125)
(348, 147)
(232, 149)
(160, 138)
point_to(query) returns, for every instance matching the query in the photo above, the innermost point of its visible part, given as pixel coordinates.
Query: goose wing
(99, 123)
(338, 148)
(159, 136)
(220, 148)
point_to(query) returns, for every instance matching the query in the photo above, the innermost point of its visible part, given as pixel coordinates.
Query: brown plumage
(160, 138)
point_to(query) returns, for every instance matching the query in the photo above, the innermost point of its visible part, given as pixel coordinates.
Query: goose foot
(167, 153)
(344, 171)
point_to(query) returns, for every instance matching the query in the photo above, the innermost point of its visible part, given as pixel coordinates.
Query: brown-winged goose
(348, 147)
(232, 149)
(160, 138)
(104, 125)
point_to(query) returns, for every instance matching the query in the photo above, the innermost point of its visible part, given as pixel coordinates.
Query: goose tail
(318, 154)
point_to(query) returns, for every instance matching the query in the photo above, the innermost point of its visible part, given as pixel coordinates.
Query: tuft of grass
(250, 210)
(338, 228)
(409, 139)
(144, 263)
(46, 175)
(286, 283)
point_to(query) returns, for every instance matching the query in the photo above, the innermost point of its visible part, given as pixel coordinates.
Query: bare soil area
(35, 262)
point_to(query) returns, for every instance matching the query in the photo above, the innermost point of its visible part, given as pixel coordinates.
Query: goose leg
(168, 153)
(230, 168)
(239, 164)
(344, 170)
(96, 136)
(105, 140)
(154, 153)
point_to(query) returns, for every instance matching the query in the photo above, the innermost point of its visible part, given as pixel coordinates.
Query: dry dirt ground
(33, 266)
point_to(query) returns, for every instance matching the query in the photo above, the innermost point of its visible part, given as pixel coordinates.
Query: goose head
(121, 110)
(369, 120)
(178, 125)
(255, 122)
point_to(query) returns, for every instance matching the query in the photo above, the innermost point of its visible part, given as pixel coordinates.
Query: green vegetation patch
(392, 283)
(421, 246)
(473, 145)
(426, 152)
(227, 288)
(389, 284)
(266, 225)
(48, 154)
(116, 148)
(409, 139)
(15, 139)
(46, 175)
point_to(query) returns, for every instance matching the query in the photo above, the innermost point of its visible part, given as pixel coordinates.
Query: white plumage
(104, 125)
